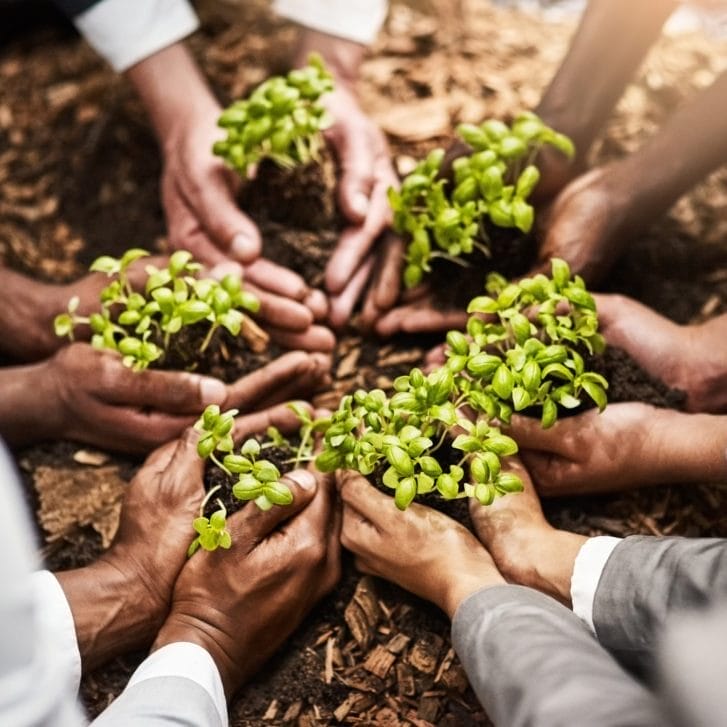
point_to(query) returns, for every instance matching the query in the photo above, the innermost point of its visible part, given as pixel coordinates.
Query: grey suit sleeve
(162, 702)
(646, 579)
(533, 662)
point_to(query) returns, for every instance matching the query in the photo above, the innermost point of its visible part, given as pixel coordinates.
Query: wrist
(703, 370)
(471, 577)
(110, 610)
(184, 627)
(172, 90)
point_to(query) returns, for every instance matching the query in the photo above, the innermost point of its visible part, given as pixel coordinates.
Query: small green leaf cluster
(134, 323)
(398, 436)
(445, 218)
(281, 120)
(212, 532)
(257, 479)
(524, 347)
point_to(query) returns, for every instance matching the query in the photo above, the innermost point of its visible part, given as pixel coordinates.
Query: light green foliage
(212, 532)
(281, 120)
(257, 479)
(504, 363)
(445, 218)
(524, 346)
(129, 322)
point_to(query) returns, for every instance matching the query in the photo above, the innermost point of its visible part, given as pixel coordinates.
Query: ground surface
(79, 175)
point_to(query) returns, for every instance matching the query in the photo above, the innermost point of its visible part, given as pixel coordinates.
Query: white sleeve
(125, 33)
(587, 570)
(357, 20)
(187, 660)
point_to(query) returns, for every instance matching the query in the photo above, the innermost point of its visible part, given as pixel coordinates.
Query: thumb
(253, 525)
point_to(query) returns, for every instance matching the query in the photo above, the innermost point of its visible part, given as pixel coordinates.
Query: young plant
(506, 362)
(212, 532)
(525, 347)
(257, 479)
(445, 218)
(141, 325)
(282, 120)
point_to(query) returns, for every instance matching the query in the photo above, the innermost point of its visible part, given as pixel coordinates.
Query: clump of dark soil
(297, 214)
(227, 357)
(512, 254)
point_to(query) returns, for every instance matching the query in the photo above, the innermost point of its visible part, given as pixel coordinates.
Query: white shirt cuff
(187, 660)
(587, 570)
(125, 33)
(57, 627)
(356, 20)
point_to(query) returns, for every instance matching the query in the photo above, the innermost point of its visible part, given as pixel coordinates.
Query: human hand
(690, 358)
(628, 445)
(90, 396)
(241, 604)
(416, 549)
(366, 175)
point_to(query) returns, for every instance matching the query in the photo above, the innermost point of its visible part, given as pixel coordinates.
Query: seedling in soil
(282, 120)
(257, 479)
(506, 362)
(140, 326)
(212, 532)
(443, 218)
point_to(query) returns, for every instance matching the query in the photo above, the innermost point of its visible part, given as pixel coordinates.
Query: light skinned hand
(92, 397)
(241, 604)
(420, 549)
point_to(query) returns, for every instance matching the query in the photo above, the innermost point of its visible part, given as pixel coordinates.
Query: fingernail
(242, 247)
(304, 479)
(360, 204)
(212, 391)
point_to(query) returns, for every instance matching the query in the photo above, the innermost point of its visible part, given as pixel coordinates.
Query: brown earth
(79, 175)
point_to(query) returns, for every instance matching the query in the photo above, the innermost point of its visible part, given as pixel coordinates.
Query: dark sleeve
(533, 662)
(648, 578)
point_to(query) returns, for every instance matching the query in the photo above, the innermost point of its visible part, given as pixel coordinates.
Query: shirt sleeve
(124, 32)
(587, 570)
(189, 661)
(356, 20)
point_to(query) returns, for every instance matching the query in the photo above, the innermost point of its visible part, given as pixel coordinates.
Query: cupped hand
(241, 604)
(419, 549)
(366, 175)
(621, 448)
(92, 397)
(691, 358)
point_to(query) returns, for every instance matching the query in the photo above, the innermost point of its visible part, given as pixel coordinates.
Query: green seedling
(140, 325)
(212, 532)
(445, 218)
(282, 120)
(521, 350)
(257, 479)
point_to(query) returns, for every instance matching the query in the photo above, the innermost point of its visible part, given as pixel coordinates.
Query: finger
(229, 228)
(317, 303)
(414, 319)
(252, 525)
(357, 162)
(358, 534)
(311, 383)
(550, 474)
(277, 279)
(388, 280)
(186, 465)
(530, 435)
(360, 495)
(342, 305)
(315, 338)
(436, 356)
(356, 242)
(166, 391)
(285, 312)
(244, 393)
(280, 417)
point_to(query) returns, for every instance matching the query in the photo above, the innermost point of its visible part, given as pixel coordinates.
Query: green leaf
(509, 482)
(531, 375)
(400, 461)
(105, 264)
(278, 493)
(458, 343)
(550, 414)
(405, 493)
(430, 466)
(391, 478)
(596, 392)
(526, 182)
(520, 327)
(265, 471)
(482, 304)
(484, 365)
(561, 272)
(447, 486)
(251, 448)
(501, 445)
(523, 214)
(329, 460)
(466, 443)
(502, 381)
(485, 494)
(520, 398)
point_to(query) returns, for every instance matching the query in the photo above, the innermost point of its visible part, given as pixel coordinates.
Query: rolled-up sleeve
(357, 20)
(124, 32)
